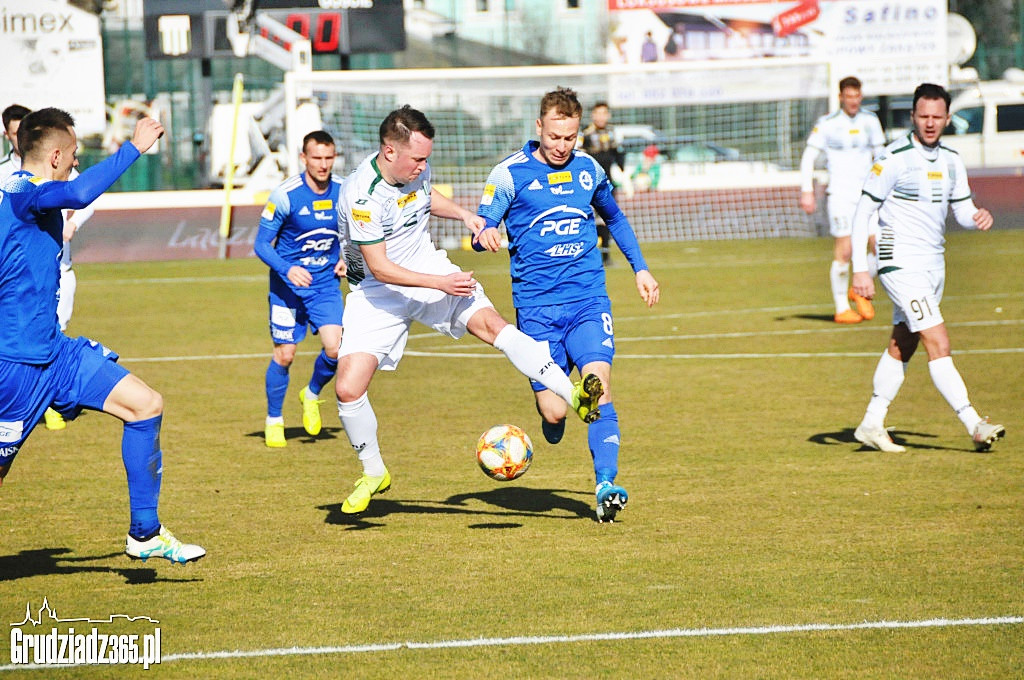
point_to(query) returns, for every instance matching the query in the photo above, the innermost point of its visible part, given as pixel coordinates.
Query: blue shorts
(577, 333)
(80, 377)
(318, 305)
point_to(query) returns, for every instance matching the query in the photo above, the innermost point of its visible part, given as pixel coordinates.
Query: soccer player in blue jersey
(298, 239)
(547, 194)
(39, 365)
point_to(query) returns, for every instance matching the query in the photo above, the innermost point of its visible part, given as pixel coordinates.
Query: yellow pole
(229, 172)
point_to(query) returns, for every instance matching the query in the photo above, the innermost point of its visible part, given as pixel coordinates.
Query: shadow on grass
(298, 435)
(504, 503)
(830, 318)
(845, 436)
(51, 561)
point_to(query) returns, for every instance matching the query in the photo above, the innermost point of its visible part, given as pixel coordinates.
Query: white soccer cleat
(164, 545)
(986, 434)
(877, 438)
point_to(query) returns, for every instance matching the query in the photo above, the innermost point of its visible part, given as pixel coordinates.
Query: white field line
(484, 352)
(523, 640)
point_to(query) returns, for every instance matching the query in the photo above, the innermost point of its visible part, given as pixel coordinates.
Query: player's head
(406, 141)
(12, 116)
(930, 114)
(600, 114)
(47, 140)
(850, 95)
(318, 156)
(558, 126)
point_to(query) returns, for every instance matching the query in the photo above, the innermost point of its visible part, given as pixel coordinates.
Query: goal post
(712, 148)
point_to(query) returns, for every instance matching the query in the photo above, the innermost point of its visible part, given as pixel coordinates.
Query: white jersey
(371, 211)
(10, 165)
(913, 186)
(850, 144)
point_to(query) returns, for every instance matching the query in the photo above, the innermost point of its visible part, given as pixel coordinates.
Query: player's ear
(538, 128)
(55, 156)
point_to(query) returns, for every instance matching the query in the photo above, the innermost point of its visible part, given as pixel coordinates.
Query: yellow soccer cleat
(311, 422)
(54, 420)
(585, 394)
(366, 487)
(275, 436)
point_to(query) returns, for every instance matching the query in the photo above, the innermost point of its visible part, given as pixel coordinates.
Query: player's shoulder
(868, 115)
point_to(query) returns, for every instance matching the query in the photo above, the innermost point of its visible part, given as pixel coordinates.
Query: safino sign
(197, 28)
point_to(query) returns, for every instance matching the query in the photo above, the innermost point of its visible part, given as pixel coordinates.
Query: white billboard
(891, 46)
(52, 55)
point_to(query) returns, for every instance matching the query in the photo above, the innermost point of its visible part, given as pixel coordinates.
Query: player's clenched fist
(147, 131)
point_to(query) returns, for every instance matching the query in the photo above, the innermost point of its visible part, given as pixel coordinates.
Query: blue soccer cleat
(610, 499)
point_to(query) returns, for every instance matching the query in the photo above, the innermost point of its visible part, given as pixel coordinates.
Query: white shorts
(915, 297)
(377, 319)
(840, 216)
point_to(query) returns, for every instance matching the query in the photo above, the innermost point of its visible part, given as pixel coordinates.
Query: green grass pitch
(757, 538)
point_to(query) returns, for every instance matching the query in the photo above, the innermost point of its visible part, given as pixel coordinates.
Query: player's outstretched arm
(648, 287)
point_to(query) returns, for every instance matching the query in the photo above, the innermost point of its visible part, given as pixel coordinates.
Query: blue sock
(143, 463)
(277, 387)
(603, 438)
(323, 371)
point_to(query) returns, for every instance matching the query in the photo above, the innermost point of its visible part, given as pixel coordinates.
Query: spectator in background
(649, 50)
(647, 174)
(600, 140)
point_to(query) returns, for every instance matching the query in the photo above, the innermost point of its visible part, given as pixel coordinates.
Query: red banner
(794, 18)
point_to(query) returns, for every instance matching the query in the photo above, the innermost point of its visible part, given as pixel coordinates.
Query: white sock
(889, 375)
(872, 265)
(279, 420)
(66, 297)
(839, 276)
(533, 359)
(951, 386)
(360, 423)
(311, 393)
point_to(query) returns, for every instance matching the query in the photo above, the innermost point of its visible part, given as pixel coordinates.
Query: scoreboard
(197, 28)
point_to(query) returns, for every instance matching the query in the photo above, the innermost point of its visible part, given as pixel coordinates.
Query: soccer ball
(504, 452)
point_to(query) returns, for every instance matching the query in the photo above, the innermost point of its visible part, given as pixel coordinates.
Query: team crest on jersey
(562, 177)
(488, 195)
(268, 212)
(586, 180)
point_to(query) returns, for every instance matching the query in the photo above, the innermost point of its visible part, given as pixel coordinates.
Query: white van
(987, 124)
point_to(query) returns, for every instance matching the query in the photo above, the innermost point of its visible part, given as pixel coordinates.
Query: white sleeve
(807, 168)
(82, 215)
(961, 198)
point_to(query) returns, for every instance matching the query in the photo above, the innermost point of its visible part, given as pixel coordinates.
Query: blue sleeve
(619, 227)
(264, 247)
(271, 219)
(88, 186)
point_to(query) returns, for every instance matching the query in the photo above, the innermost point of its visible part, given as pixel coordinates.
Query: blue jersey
(31, 240)
(549, 216)
(305, 225)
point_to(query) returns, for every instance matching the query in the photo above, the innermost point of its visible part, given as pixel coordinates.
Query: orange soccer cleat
(848, 316)
(863, 305)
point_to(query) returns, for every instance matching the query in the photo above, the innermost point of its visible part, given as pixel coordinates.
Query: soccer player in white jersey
(397, 276)
(912, 186)
(73, 221)
(547, 195)
(850, 139)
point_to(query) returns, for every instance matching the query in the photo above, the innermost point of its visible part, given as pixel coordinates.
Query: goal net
(711, 149)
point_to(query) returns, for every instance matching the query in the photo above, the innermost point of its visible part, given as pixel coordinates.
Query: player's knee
(284, 355)
(346, 392)
(150, 405)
